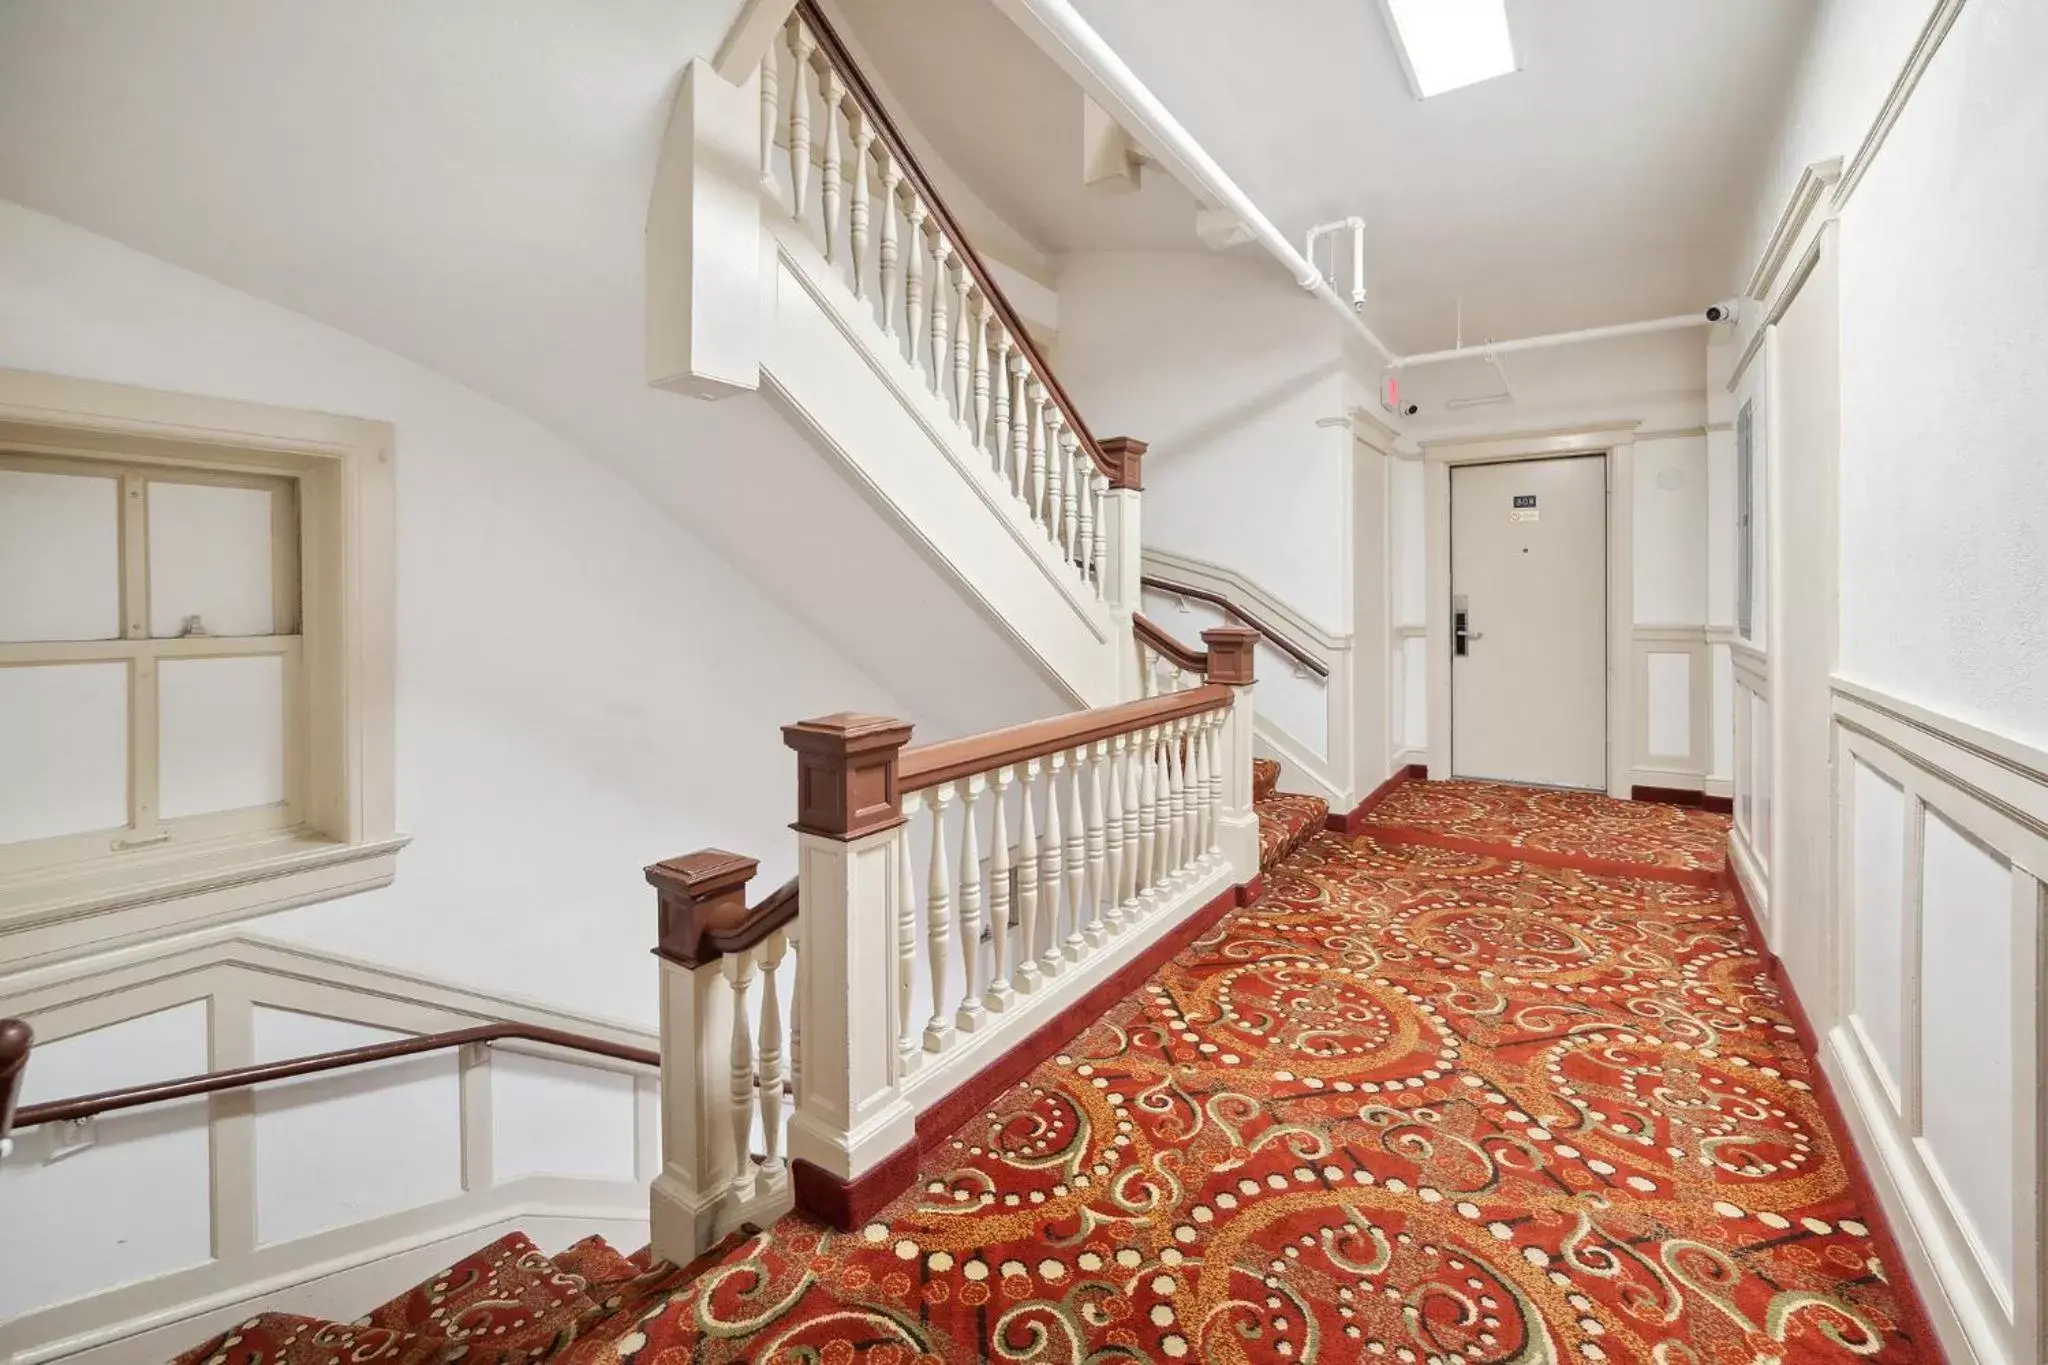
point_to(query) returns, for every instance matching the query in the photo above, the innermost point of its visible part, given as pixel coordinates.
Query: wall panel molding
(1953, 1139)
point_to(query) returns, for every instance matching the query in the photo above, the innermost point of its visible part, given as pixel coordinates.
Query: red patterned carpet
(1557, 827)
(1416, 1104)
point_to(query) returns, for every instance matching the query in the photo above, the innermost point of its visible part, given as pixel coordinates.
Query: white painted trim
(1688, 770)
(348, 841)
(1939, 21)
(1994, 790)
(1206, 573)
(237, 973)
(1614, 440)
(1807, 191)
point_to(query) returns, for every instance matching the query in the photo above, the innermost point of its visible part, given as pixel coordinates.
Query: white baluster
(796, 1016)
(1211, 743)
(1198, 793)
(1020, 438)
(1026, 975)
(835, 96)
(739, 974)
(982, 309)
(913, 271)
(1148, 824)
(771, 107)
(1084, 516)
(1113, 839)
(1052, 869)
(938, 920)
(773, 1076)
(1076, 857)
(801, 45)
(892, 176)
(857, 226)
(999, 994)
(1134, 762)
(971, 1016)
(999, 375)
(1070, 492)
(1098, 758)
(1034, 487)
(942, 250)
(1098, 553)
(963, 343)
(908, 1052)
(1176, 804)
(1056, 473)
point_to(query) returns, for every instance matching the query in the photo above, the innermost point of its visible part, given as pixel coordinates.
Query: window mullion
(142, 670)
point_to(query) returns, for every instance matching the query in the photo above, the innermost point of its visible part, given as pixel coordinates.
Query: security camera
(1410, 409)
(1724, 311)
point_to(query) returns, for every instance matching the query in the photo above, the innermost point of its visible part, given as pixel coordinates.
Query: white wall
(583, 688)
(1225, 368)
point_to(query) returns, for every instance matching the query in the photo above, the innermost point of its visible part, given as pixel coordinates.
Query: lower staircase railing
(964, 905)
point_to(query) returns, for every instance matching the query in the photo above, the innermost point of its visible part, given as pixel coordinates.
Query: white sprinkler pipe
(1069, 40)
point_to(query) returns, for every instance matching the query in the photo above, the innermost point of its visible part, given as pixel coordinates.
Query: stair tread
(291, 1339)
(595, 1262)
(1287, 820)
(504, 1301)
(628, 1304)
(1265, 777)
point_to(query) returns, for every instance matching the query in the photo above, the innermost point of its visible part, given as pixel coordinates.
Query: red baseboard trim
(848, 1204)
(1720, 805)
(1353, 821)
(1920, 1326)
(1668, 796)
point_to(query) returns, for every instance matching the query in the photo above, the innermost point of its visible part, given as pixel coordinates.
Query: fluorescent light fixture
(1449, 44)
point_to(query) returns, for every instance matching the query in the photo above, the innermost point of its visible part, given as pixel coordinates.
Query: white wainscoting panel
(1942, 843)
(1414, 690)
(1672, 689)
(1879, 929)
(149, 1159)
(346, 1147)
(323, 1194)
(1668, 699)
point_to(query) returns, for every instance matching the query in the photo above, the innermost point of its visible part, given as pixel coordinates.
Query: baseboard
(845, 1204)
(1684, 796)
(1353, 821)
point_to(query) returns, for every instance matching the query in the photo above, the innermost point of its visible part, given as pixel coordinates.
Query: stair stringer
(837, 377)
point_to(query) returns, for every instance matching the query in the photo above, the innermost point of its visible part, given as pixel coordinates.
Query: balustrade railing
(955, 897)
(836, 162)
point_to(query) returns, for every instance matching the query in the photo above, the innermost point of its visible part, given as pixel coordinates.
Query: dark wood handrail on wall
(1274, 636)
(234, 1078)
(1112, 467)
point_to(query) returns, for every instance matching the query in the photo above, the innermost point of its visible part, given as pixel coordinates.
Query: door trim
(1616, 441)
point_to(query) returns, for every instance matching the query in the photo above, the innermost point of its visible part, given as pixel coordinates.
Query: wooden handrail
(776, 912)
(1273, 635)
(842, 60)
(1161, 643)
(235, 1078)
(928, 765)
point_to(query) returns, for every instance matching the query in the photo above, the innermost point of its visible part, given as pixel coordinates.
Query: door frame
(1616, 441)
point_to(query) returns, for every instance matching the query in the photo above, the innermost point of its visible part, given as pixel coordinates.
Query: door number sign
(1524, 508)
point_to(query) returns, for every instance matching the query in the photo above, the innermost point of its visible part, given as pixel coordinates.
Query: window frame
(340, 836)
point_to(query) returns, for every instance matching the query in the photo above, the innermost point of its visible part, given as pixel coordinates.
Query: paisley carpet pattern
(1415, 1104)
(1558, 827)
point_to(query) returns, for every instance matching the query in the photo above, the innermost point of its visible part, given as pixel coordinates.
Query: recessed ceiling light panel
(1449, 44)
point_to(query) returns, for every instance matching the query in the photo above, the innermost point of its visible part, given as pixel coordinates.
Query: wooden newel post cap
(701, 893)
(1230, 654)
(1127, 456)
(846, 774)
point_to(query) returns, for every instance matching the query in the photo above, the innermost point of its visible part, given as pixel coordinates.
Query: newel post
(16, 1038)
(1231, 654)
(852, 1140)
(699, 893)
(1123, 545)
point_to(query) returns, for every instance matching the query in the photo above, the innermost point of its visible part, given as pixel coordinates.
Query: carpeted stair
(1287, 820)
(506, 1304)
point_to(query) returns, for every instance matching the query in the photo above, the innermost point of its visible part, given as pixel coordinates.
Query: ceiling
(1609, 179)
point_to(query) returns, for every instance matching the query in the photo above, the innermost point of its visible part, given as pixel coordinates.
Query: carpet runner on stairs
(1287, 820)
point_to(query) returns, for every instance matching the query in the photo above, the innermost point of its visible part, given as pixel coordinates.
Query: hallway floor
(1449, 1090)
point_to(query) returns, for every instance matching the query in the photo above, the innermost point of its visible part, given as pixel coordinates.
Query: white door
(1529, 621)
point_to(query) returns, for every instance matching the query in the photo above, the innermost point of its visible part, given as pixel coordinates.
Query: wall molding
(1992, 791)
(1939, 22)
(1815, 179)
(235, 974)
(1207, 573)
